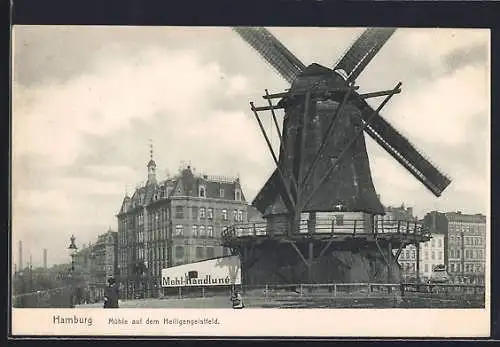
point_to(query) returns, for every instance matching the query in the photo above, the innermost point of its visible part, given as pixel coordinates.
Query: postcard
(250, 181)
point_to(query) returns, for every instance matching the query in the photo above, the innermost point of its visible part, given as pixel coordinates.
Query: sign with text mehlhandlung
(223, 271)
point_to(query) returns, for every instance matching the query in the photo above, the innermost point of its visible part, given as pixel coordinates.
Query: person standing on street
(111, 294)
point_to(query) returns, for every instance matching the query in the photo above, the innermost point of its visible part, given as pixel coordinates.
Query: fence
(332, 290)
(58, 297)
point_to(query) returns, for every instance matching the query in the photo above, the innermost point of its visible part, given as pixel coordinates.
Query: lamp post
(73, 249)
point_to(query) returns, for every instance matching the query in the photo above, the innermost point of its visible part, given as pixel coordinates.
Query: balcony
(326, 227)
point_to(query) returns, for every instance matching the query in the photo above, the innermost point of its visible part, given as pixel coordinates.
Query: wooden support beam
(398, 253)
(310, 262)
(298, 252)
(381, 93)
(325, 248)
(275, 120)
(303, 92)
(288, 199)
(389, 263)
(381, 251)
(268, 108)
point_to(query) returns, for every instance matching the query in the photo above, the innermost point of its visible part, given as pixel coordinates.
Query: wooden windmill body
(320, 203)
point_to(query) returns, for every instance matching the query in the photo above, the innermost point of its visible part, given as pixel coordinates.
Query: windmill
(322, 168)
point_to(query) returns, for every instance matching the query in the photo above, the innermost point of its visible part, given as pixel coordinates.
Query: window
(179, 212)
(179, 252)
(478, 268)
(426, 255)
(194, 229)
(426, 267)
(237, 195)
(452, 253)
(458, 253)
(235, 215)
(202, 231)
(240, 216)
(202, 212)
(339, 219)
(179, 230)
(210, 252)
(210, 231)
(224, 214)
(221, 192)
(210, 213)
(201, 191)
(440, 255)
(199, 252)
(413, 254)
(440, 242)
(407, 254)
(433, 255)
(194, 212)
(433, 243)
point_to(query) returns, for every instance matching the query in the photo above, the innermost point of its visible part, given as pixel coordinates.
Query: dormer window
(221, 192)
(201, 191)
(237, 195)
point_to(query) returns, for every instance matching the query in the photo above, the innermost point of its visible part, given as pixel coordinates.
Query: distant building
(465, 244)
(104, 262)
(173, 222)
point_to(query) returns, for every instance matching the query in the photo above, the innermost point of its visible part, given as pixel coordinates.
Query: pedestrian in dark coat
(111, 294)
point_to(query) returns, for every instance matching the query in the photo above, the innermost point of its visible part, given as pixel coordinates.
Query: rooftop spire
(151, 164)
(150, 149)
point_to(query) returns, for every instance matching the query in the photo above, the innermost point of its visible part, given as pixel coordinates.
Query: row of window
(469, 254)
(433, 242)
(208, 213)
(202, 193)
(412, 254)
(196, 231)
(457, 267)
(467, 228)
(468, 240)
(412, 267)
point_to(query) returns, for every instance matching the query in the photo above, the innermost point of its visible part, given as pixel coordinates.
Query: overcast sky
(86, 101)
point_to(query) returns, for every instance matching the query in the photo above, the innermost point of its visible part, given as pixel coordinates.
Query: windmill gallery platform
(324, 250)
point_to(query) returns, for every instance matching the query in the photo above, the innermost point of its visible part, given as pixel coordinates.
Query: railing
(335, 290)
(326, 226)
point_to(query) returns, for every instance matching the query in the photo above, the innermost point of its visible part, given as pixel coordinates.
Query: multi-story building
(172, 222)
(467, 247)
(104, 263)
(95, 263)
(465, 244)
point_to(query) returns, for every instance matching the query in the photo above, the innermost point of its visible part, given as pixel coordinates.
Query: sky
(86, 101)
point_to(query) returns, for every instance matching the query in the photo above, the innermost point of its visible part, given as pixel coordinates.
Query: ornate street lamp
(73, 249)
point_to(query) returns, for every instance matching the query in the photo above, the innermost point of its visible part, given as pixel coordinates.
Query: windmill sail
(363, 50)
(403, 151)
(280, 58)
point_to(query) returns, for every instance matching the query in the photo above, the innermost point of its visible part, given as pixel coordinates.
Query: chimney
(45, 258)
(20, 255)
